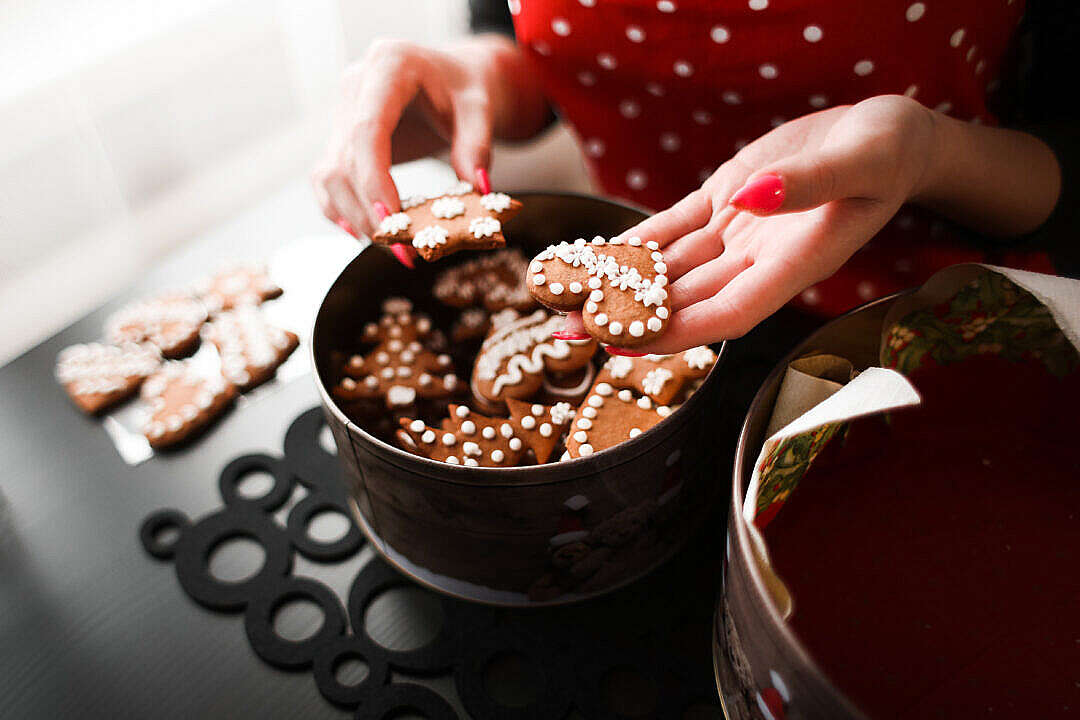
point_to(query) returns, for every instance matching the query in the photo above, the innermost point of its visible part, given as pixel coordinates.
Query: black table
(90, 626)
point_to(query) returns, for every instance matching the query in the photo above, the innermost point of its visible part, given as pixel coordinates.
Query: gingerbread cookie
(251, 349)
(182, 401)
(570, 387)
(494, 280)
(466, 438)
(398, 372)
(170, 322)
(459, 220)
(472, 324)
(661, 377)
(609, 417)
(398, 322)
(542, 426)
(99, 376)
(236, 287)
(512, 359)
(618, 284)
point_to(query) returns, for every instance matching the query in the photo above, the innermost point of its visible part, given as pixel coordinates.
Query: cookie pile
(146, 340)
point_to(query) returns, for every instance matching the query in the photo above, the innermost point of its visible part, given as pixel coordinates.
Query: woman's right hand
(404, 101)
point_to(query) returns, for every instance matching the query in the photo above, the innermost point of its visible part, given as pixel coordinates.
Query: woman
(858, 109)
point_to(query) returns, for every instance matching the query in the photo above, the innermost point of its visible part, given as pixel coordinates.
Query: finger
(470, 147)
(346, 206)
(690, 213)
(483, 181)
(699, 246)
(706, 280)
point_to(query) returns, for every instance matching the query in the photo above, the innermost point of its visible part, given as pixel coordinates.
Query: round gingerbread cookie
(619, 285)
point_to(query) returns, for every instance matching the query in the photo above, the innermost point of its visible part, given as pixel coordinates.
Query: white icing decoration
(654, 380)
(652, 245)
(654, 324)
(431, 236)
(495, 202)
(506, 430)
(447, 207)
(428, 436)
(453, 460)
(601, 319)
(644, 403)
(619, 366)
(546, 430)
(634, 241)
(589, 412)
(449, 439)
(400, 395)
(661, 312)
(417, 426)
(482, 227)
(699, 357)
(471, 462)
(591, 307)
(604, 389)
(595, 401)
(634, 432)
(535, 266)
(626, 395)
(637, 328)
(581, 436)
(518, 348)
(528, 422)
(515, 444)
(460, 188)
(663, 410)
(585, 450)
(468, 427)
(556, 288)
(615, 328)
(561, 412)
(575, 287)
(394, 224)
(539, 279)
(584, 423)
(471, 448)
(488, 433)
(497, 455)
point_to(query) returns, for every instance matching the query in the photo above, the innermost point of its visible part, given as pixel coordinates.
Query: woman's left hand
(784, 213)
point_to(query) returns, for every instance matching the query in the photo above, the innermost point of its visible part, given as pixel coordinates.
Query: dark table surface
(90, 626)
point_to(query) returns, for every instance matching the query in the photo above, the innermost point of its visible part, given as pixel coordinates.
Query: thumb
(471, 143)
(806, 180)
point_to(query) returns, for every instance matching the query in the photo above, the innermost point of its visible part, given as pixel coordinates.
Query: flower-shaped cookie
(619, 285)
(458, 220)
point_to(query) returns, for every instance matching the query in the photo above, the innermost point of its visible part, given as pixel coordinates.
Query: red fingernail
(344, 225)
(482, 180)
(404, 254)
(763, 195)
(564, 335)
(619, 351)
(380, 209)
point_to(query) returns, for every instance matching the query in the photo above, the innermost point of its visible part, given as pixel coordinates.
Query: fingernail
(380, 209)
(620, 351)
(564, 335)
(763, 195)
(344, 225)
(482, 180)
(404, 254)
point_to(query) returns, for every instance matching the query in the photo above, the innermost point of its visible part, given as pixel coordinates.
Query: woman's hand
(790, 208)
(404, 101)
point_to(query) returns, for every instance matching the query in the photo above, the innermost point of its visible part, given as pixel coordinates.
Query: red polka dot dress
(660, 93)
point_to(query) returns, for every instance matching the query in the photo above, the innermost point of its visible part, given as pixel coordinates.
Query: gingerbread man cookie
(251, 349)
(608, 417)
(466, 438)
(661, 377)
(236, 287)
(513, 358)
(170, 322)
(98, 376)
(494, 280)
(459, 220)
(542, 426)
(182, 401)
(620, 286)
(398, 322)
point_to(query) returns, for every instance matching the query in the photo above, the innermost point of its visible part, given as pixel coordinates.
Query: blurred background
(129, 127)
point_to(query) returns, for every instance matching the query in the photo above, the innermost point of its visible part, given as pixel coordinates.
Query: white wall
(127, 126)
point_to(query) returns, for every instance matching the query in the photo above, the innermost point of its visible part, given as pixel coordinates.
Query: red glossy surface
(935, 559)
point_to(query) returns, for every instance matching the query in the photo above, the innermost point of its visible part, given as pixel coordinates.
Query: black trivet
(658, 628)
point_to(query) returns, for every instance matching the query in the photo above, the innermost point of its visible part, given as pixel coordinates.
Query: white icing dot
(635, 33)
(644, 403)
(537, 410)
(654, 324)
(584, 423)
(595, 401)
(528, 422)
(546, 430)
(915, 11)
(660, 268)
(682, 68)
(601, 319)
(768, 71)
(417, 426)
(585, 450)
(468, 427)
(669, 142)
(575, 287)
(488, 433)
(581, 436)
(636, 179)
(652, 245)
(812, 33)
(471, 448)
(604, 389)
(661, 312)
(615, 328)
(449, 439)
(634, 241)
(607, 61)
(591, 307)
(497, 455)
(560, 27)
(719, 34)
(452, 459)
(539, 279)
(515, 443)
(957, 37)
(637, 328)
(626, 395)
(634, 432)
(864, 68)
(629, 109)
(589, 412)
(506, 430)
(596, 295)
(555, 288)
(428, 437)
(663, 410)
(594, 283)
(471, 462)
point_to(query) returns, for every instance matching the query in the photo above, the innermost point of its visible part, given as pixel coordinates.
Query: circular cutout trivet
(300, 534)
(399, 699)
(235, 472)
(156, 524)
(331, 655)
(279, 651)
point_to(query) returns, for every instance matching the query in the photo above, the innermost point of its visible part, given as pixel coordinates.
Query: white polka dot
(607, 61)
(818, 101)
(670, 142)
(957, 37)
(665, 6)
(811, 296)
(864, 68)
(701, 117)
(719, 34)
(912, 91)
(560, 26)
(777, 121)
(758, 4)
(542, 47)
(594, 147)
(768, 71)
(514, 5)
(812, 33)
(635, 34)
(971, 53)
(915, 11)
(705, 173)
(636, 179)
(629, 109)
(655, 89)
(586, 78)
(943, 107)
(731, 97)
(683, 68)
(588, 3)
(980, 66)
(865, 290)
